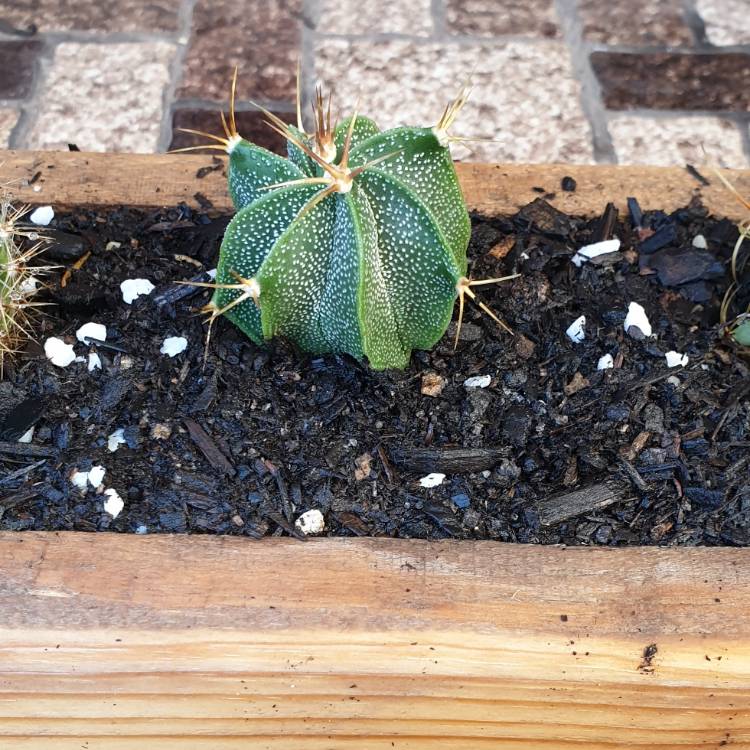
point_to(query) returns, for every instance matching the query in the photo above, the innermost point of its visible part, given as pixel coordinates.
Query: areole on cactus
(355, 243)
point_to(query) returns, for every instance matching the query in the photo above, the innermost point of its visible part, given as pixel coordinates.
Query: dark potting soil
(552, 450)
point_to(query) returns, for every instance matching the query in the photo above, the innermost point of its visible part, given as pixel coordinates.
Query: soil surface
(551, 450)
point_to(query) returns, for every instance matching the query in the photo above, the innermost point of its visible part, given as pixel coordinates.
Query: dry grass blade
(300, 125)
(737, 263)
(736, 323)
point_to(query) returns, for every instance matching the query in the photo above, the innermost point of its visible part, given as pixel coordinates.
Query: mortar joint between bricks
(656, 49)
(745, 136)
(437, 12)
(695, 23)
(106, 37)
(454, 40)
(308, 36)
(29, 106)
(241, 105)
(591, 98)
(674, 114)
(169, 96)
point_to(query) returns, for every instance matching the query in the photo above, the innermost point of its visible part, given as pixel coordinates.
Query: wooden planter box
(126, 642)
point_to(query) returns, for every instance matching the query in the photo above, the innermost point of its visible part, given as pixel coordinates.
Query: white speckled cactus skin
(359, 255)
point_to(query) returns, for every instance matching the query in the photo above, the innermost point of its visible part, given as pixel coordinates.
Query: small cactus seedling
(355, 243)
(18, 281)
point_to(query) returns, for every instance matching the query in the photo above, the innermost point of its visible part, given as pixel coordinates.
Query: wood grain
(123, 642)
(67, 179)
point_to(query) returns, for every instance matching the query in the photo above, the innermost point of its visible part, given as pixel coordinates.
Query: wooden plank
(67, 179)
(125, 642)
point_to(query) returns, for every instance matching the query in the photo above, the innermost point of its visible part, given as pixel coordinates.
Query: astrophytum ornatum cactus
(355, 243)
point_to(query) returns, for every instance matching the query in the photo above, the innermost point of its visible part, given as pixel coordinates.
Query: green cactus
(17, 280)
(355, 243)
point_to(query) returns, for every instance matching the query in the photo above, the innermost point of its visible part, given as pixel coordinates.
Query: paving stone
(727, 21)
(499, 17)
(92, 15)
(383, 17)
(261, 36)
(103, 97)
(18, 60)
(8, 119)
(525, 95)
(635, 22)
(250, 125)
(676, 141)
(674, 81)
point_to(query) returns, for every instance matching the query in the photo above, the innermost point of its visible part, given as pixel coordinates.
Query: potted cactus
(355, 243)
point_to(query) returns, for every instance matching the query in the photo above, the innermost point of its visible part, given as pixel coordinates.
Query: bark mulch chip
(552, 450)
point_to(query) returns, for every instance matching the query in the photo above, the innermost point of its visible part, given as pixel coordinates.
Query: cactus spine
(18, 283)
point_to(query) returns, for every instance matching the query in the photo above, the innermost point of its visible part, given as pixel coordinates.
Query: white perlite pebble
(592, 251)
(174, 345)
(27, 436)
(576, 330)
(28, 286)
(96, 475)
(133, 288)
(92, 331)
(606, 362)
(58, 352)
(699, 241)
(311, 522)
(114, 503)
(637, 317)
(432, 480)
(478, 381)
(675, 359)
(82, 479)
(95, 362)
(42, 216)
(115, 440)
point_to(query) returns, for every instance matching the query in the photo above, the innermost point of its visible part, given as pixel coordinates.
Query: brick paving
(628, 81)
(103, 96)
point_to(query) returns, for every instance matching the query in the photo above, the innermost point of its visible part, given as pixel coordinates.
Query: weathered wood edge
(478, 586)
(155, 180)
(131, 641)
